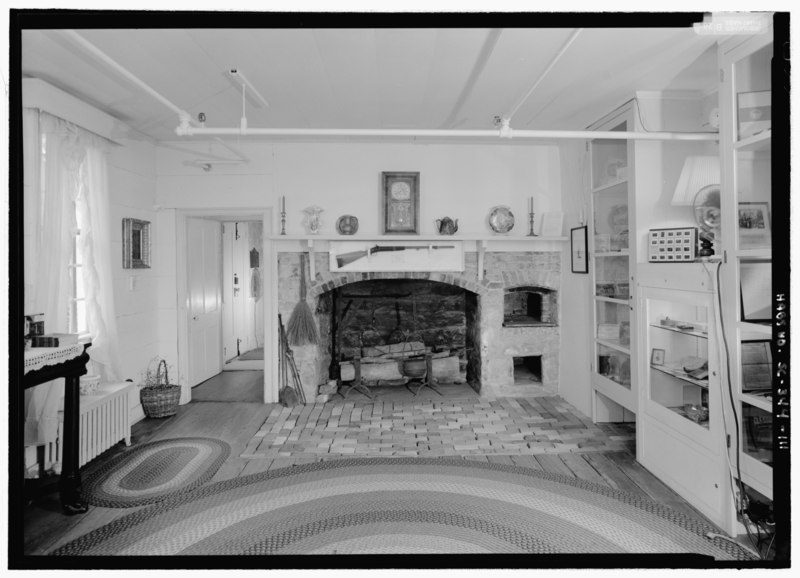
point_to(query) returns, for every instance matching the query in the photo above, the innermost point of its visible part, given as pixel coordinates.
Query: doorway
(267, 268)
(242, 296)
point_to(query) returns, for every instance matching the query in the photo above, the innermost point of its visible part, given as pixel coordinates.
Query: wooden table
(46, 364)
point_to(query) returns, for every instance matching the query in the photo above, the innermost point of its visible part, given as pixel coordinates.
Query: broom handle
(280, 353)
(302, 277)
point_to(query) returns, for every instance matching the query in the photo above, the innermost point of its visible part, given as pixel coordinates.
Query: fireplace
(491, 324)
(382, 319)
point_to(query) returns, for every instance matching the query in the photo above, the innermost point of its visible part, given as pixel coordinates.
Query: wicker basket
(160, 400)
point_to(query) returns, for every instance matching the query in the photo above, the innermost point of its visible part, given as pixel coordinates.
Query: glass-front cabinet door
(746, 144)
(681, 428)
(614, 391)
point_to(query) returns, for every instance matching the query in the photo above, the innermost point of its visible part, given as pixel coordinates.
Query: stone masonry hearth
(490, 344)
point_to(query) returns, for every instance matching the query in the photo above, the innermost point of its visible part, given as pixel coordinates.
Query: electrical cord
(726, 352)
(720, 327)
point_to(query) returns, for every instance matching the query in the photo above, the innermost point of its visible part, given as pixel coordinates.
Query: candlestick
(283, 215)
(530, 220)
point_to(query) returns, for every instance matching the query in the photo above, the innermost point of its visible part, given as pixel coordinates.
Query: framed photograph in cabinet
(135, 244)
(755, 278)
(756, 361)
(754, 226)
(400, 203)
(579, 244)
(657, 357)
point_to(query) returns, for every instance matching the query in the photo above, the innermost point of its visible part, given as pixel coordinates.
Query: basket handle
(158, 373)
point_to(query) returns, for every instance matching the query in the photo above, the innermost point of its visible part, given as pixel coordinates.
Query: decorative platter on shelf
(347, 225)
(501, 219)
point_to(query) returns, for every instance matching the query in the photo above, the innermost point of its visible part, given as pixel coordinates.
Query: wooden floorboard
(231, 386)
(652, 486)
(615, 477)
(582, 469)
(527, 462)
(552, 463)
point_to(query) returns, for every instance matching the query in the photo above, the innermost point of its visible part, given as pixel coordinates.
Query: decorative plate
(347, 225)
(501, 219)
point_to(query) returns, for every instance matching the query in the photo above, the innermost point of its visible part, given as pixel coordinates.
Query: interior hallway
(223, 408)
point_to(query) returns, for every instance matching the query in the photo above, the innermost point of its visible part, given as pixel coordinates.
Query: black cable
(742, 494)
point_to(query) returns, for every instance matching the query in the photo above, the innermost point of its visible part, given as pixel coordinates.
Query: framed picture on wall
(579, 249)
(400, 203)
(135, 244)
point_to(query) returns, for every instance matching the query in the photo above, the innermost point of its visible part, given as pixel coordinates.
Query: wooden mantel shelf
(482, 240)
(392, 238)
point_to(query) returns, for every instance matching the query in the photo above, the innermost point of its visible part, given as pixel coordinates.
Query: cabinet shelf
(699, 334)
(759, 142)
(610, 186)
(611, 300)
(614, 344)
(762, 402)
(622, 253)
(760, 328)
(680, 375)
(754, 254)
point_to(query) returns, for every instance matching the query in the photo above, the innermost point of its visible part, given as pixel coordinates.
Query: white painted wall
(458, 180)
(131, 174)
(575, 315)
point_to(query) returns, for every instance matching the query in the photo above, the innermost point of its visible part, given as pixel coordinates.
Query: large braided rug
(152, 472)
(403, 505)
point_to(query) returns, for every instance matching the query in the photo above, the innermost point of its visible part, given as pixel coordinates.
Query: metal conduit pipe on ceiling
(187, 124)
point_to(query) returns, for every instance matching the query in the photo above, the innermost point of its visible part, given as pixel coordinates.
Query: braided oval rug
(403, 506)
(155, 471)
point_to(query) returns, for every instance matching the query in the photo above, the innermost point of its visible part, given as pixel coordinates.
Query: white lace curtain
(74, 192)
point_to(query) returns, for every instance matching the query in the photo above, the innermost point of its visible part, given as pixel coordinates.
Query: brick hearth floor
(431, 427)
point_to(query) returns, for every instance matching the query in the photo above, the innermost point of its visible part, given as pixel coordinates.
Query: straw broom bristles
(301, 328)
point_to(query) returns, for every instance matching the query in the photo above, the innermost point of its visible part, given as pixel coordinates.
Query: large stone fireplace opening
(384, 323)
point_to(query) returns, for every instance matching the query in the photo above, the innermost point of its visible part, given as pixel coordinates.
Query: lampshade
(698, 172)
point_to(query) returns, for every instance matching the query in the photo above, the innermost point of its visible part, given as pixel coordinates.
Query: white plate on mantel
(501, 219)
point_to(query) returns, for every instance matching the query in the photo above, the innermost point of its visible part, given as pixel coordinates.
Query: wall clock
(400, 203)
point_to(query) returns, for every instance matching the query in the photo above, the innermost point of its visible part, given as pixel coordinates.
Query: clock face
(400, 191)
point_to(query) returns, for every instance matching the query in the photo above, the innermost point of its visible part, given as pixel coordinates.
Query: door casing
(265, 215)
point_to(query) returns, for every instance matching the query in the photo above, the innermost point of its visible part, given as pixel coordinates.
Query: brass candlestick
(283, 222)
(530, 220)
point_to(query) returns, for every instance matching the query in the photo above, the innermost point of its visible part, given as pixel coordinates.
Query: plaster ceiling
(376, 78)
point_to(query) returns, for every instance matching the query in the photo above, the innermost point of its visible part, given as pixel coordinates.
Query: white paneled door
(204, 268)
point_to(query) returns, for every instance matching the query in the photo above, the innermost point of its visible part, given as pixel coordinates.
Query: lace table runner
(38, 357)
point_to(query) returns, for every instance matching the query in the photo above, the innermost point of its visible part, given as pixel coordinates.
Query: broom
(301, 328)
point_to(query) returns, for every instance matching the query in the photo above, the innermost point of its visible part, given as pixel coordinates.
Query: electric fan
(707, 214)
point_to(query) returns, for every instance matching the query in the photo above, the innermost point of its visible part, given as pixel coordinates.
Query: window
(77, 297)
